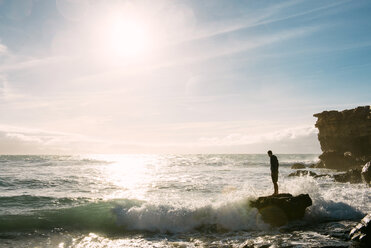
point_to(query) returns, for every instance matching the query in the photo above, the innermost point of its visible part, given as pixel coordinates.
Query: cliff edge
(345, 137)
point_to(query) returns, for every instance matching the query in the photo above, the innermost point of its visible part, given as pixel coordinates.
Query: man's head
(270, 153)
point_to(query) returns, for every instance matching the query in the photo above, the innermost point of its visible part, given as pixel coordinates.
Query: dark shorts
(274, 176)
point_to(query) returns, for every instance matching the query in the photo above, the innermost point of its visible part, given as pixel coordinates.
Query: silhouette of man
(274, 171)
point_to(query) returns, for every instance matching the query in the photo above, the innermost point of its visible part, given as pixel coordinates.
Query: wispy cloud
(6, 92)
(252, 19)
(269, 15)
(3, 48)
(283, 135)
(22, 63)
(18, 140)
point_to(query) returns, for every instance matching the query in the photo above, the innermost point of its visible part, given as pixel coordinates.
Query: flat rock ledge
(279, 209)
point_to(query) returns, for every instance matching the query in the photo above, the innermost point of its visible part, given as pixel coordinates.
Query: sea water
(167, 201)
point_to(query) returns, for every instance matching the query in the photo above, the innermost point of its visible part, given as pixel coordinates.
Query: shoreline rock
(298, 166)
(351, 176)
(301, 173)
(317, 165)
(277, 210)
(358, 175)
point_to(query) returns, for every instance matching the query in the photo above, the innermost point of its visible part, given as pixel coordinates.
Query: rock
(351, 176)
(300, 173)
(319, 164)
(366, 173)
(335, 160)
(362, 232)
(322, 175)
(277, 210)
(298, 166)
(345, 137)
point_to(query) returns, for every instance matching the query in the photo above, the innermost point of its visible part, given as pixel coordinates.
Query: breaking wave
(125, 215)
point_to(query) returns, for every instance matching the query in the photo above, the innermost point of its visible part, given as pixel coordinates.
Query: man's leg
(274, 180)
(275, 188)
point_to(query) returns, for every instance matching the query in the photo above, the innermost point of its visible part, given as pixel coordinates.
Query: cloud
(268, 15)
(291, 140)
(23, 63)
(3, 49)
(16, 140)
(19, 140)
(214, 50)
(6, 92)
(234, 139)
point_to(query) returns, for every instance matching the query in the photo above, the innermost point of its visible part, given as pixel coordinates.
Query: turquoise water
(166, 201)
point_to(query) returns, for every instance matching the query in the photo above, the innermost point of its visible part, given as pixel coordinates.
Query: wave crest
(119, 216)
(133, 215)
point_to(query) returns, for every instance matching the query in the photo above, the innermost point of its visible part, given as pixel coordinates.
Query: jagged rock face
(345, 137)
(277, 210)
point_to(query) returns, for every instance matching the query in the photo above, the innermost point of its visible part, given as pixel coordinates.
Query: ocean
(167, 201)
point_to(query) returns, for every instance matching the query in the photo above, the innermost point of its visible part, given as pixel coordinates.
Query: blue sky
(178, 76)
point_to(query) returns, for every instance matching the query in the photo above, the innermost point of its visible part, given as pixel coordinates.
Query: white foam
(335, 203)
(166, 218)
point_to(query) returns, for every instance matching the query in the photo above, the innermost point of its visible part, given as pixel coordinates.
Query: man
(274, 171)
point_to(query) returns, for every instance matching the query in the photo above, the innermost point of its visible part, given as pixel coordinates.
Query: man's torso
(274, 164)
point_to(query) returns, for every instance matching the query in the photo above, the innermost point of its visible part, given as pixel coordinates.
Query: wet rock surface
(277, 210)
(319, 164)
(298, 166)
(300, 173)
(362, 232)
(345, 137)
(351, 176)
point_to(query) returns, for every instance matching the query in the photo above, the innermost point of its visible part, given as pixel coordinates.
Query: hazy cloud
(3, 49)
(246, 139)
(15, 140)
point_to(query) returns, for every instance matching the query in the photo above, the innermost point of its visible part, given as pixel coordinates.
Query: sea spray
(164, 218)
(326, 205)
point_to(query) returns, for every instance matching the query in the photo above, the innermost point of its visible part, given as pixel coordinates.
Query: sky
(171, 76)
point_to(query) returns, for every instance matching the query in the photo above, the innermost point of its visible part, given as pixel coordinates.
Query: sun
(128, 37)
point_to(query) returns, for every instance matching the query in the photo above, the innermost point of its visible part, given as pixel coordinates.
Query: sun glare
(128, 38)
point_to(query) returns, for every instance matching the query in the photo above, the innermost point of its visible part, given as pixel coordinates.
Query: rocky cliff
(345, 137)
